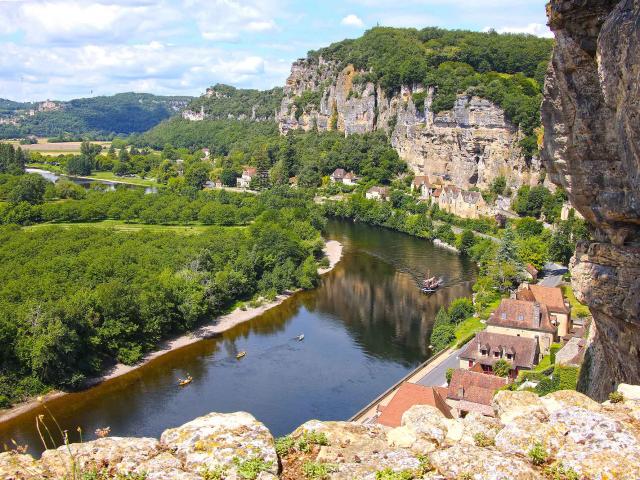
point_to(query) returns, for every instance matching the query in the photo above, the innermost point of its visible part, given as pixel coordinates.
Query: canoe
(186, 381)
(300, 337)
(241, 354)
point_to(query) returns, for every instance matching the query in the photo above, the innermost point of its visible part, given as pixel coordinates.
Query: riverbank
(105, 177)
(332, 249)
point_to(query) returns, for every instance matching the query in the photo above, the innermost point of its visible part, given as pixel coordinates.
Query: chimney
(537, 319)
(461, 392)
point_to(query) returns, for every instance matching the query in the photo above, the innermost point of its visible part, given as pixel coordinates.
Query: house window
(483, 352)
(496, 354)
(509, 356)
(503, 316)
(520, 317)
(470, 363)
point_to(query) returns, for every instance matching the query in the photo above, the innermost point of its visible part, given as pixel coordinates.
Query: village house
(408, 395)
(248, 174)
(552, 298)
(523, 319)
(423, 185)
(206, 152)
(487, 348)
(342, 176)
(377, 193)
(462, 203)
(471, 391)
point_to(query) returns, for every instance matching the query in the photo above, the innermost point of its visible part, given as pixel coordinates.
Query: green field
(144, 182)
(133, 227)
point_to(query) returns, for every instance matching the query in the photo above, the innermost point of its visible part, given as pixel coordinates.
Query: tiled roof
(380, 190)
(408, 395)
(421, 180)
(350, 175)
(525, 349)
(338, 173)
(250, 171)
(474, 387)
(471, 197)
(514, 313)
(550, 296)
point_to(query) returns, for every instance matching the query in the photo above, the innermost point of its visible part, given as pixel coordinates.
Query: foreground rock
(575, 438)
(591, 117)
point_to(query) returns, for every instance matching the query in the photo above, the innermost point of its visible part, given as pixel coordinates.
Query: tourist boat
(430, 285)
(300, 337)
(186, 381)
(241, 354)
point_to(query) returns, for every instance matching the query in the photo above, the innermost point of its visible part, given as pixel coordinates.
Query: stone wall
(591, 115)
(576, 435)
(473, 143)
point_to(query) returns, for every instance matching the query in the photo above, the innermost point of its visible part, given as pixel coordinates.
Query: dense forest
(224, 101)
(96, 117)
(73, 300)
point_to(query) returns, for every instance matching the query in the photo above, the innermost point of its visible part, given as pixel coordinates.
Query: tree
(561, 247)
(507, 251)
(228, 177)
(12, 160)
(529, 227)
(460, 309)
(197, 174)
(501, 368)
(123, 155)
(29, 188)
(533, 250)
(498, 185)
(466, 241)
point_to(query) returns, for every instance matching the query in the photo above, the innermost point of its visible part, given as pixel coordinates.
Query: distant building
(523, 319)
(340, 175)
(207, 153)
(473, 392)
(487, 348)
(463, 203)
(248, 174)
(378, 193)
(293, 182)
(553, 299)
(423, 185)
(337, 175)
(532, 271)
(408, 395)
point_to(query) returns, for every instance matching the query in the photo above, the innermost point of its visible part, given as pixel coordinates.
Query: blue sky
(62, 49)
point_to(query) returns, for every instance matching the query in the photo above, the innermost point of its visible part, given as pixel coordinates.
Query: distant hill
(222, 102)
(124, 113)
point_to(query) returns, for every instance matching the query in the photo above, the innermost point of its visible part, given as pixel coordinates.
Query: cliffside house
(471, 391)
(523, 319)
(487, 348)
(423, 185)
(248, 174)
(462, 203)
(378, 193)
(342, 176)
(408, 395)
(558, 308)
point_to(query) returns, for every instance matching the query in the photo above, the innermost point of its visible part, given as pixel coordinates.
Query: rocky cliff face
(473, 143)
(591, 115)
(576, 438)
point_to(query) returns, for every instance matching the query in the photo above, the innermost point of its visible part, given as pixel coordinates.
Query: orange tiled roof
(408, 395)
(474, 387)
(550, 296)
(514, 313)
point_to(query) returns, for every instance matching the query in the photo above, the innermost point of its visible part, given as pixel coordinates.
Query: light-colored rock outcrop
(591, 115)
(473, 143)
(586, 440)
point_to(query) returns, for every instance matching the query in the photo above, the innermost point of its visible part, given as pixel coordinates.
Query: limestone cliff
(591, 115)
(575, 438)
(473, 143)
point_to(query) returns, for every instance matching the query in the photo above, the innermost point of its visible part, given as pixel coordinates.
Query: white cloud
(352, 21)
(537, 29)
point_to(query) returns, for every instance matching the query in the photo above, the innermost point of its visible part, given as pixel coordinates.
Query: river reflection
(365, 327)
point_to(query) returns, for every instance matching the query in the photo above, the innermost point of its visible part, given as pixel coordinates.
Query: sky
(63, 49)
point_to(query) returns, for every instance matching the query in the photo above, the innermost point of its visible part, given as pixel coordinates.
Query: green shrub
(460, 309)
(449, 374)
(502, 368)
(284, 445)
(483, 440)
(311, 438)
(217, 473)
(537, 454)
(251, 468)
(558, 471)
(317, 471)
(389, 474)
(616, 397)
(4, 401)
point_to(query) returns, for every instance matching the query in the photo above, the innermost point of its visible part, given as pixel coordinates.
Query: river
(87, 182)
(365, 327)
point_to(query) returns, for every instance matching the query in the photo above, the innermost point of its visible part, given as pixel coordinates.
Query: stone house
(522, 318)
(471, 391)
(248, 174)
(462, 203)
(423, 185)
(350, 178)
(378, 193)
(558, 308)
(487, 348)
(340, 175)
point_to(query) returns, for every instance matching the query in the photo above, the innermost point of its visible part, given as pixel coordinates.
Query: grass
(145, 182)
(133, 227)
(467, 328)
(577, 309)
